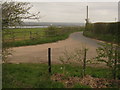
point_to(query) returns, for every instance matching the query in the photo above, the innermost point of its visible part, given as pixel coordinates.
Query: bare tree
(13, 13)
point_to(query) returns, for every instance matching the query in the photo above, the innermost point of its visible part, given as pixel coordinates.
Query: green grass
(104, 37)
(38, 36)
(36, 41)
(14, 30)
(23, 33)
(36, 75)
(27, 75)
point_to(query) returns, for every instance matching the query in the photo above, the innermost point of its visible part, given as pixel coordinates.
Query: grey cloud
(75, 12)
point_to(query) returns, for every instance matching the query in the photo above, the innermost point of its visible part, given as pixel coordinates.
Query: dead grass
(88, 80)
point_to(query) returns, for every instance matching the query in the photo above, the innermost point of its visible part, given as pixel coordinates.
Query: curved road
(88, 41)
(38, 53)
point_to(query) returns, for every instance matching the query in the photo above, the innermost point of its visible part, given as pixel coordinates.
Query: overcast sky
(76, 11)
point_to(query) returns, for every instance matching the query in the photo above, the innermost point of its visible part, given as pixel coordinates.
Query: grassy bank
(37, 41)
(33, 36)
(36, 75)
(108, 32)
(103, 37)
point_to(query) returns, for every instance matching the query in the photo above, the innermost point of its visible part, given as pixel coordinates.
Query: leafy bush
(89, 27)
(51, 31)
(77, 56)
(109, 54)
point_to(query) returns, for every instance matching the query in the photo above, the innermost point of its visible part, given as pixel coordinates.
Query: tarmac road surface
(38, 53)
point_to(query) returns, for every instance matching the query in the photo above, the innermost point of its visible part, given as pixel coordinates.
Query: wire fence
(12, 36)
(17, 36)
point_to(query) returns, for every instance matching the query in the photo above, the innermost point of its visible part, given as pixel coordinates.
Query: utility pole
(119, 11)
(87, 20)
(87, 14)
(115, 19)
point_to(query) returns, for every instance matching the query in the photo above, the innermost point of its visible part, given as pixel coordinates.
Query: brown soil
(69, 82)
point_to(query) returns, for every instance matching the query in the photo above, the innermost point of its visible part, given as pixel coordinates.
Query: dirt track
(38, 53)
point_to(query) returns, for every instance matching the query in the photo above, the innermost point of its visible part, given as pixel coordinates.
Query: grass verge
(25, 37)
(36, 75)
(103, 37)
(37, 41)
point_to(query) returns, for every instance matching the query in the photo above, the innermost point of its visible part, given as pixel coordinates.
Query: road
(38, 53)
(88, 41)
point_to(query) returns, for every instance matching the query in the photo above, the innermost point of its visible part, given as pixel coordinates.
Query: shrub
(109, 54)
(51, 31)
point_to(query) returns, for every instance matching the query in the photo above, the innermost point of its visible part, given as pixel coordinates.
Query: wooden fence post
(24, 35)
(84, 61)
(49, 60)
(13, 36)
(30, 35)
(115, 64)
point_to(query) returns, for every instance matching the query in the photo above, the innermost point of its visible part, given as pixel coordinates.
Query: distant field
(22, 34)
(32, 36)
(26, 29)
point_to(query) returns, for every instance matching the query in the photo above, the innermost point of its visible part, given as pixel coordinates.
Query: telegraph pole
(87, 14)
(119, 11)
(87, 20)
